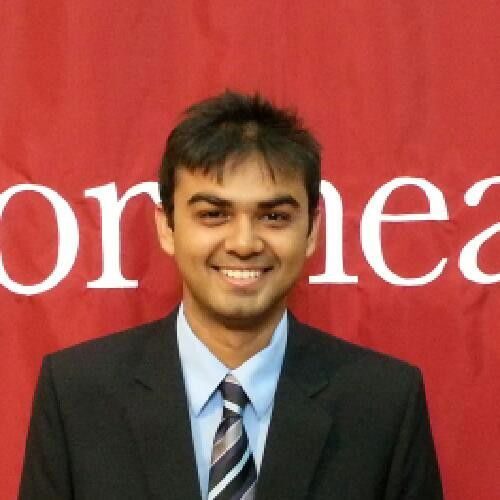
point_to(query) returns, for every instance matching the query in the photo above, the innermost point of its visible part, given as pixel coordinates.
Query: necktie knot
(235, 398)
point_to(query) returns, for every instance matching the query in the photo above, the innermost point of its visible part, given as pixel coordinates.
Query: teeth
(241, 274)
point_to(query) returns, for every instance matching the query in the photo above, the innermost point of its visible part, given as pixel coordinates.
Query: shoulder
(344, 353)
(355, 369)
(118, 345)
(106, 361)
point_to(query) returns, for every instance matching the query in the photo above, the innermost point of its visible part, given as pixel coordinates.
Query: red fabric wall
(88, 92)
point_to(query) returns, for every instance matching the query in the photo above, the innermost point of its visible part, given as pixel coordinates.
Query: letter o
(68, 240)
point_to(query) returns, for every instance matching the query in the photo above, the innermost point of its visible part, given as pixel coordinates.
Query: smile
(242, 274)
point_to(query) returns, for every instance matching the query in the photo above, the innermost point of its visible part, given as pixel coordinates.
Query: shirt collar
(203, 372)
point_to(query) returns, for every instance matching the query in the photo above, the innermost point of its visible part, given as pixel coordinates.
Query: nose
(242, 240)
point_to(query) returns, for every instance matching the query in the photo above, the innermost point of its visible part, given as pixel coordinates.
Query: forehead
(247, 181)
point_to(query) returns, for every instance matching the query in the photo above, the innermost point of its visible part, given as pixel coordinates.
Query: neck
(232, 341)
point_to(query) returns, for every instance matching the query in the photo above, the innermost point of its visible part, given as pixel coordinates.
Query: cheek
(290, 251)
(194, 245)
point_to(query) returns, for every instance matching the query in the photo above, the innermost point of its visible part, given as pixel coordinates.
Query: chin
(238, 313)
(244, 314)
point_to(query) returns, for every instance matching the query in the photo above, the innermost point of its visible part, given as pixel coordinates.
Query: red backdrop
(88, 92)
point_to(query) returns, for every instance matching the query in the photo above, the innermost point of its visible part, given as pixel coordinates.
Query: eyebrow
(224, 203)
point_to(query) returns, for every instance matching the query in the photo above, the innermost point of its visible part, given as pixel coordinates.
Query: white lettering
(68, 240)
(373, 216)
(334, 263)
(111, 211)
(370, 233)
(467, 261)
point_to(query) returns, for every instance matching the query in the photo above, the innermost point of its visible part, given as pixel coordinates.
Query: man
(230, 396)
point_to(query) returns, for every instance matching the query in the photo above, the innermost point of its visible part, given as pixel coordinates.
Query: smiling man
(230, 397)
(240, 245)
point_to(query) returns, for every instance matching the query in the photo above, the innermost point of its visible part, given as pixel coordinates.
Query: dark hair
(232, 126)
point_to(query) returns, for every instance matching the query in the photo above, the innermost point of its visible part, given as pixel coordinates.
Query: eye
(276, 218)
(212, 217)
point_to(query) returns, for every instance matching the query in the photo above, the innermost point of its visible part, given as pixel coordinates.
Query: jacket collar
(157, 411)
(299, 425)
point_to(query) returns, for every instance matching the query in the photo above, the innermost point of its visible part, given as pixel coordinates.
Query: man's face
(239, 244)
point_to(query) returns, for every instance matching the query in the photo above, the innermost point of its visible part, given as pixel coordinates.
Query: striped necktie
(232, 470)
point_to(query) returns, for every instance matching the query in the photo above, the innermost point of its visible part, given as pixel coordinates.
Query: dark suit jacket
(110, 421)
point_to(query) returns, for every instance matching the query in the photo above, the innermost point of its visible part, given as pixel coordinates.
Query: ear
(164, 231)
(312, 237)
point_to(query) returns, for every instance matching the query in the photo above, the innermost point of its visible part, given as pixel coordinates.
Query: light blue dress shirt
(203, 373)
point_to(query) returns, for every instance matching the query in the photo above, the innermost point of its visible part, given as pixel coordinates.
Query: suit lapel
(157, 411)
(299, 425)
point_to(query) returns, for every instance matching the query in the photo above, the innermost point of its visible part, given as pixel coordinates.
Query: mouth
(241, 276)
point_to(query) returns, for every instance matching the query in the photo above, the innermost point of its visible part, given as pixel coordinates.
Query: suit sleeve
(46, 471)
(414, 472)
